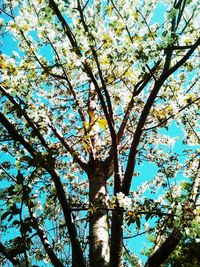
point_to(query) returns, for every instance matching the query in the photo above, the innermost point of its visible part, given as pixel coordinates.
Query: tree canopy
(99, 131)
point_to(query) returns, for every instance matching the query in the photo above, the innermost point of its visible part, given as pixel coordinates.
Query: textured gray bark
(99, 230)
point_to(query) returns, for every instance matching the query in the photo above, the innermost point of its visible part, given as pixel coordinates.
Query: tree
(186, 254)
(91, 97)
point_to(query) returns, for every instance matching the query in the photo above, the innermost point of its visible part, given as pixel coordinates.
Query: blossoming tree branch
(99, 132)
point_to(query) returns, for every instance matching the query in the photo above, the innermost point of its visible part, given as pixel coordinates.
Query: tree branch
(181, 61)
(52, 256)
(170, 117)
(138, 132)
(104, 87)
(163, 252)
(136, 138)
(65, 26)
(50, 168)
(138, 88)
(15, 134)
(73, 153)
(7, 173)
(8, 255)
(195, 187)
(81, 114)
(85, 64)
(24, 114)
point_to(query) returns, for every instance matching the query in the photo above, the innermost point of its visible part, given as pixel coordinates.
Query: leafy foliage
(99, 114)
(186, 254)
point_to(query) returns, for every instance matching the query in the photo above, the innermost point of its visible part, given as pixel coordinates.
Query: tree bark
(116, 254)
(9, 255)
(98, 222)
(163, 252)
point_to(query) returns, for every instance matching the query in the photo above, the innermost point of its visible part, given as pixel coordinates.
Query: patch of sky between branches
(8, 43)
(159, 14)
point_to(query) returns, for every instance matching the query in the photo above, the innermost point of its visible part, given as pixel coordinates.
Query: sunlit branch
(68, 215)
(189, 20)
(139, 234)
(45, 68)
(85, 5)
(138, 88)
(145, 22)
(179, 47)
(153, 213)
(162, 123)
(127, 30)
(104, 87)
(40, 232)
(166, 248)
(85, 65)
(73, 153)
(181, 61)
(65, 26)
(23, 234)
(193, 84)
(151, 72)
(181, 9)
(136, 138)
(168, 52)
(138, 132)
(69, 84)
(127, 251)
(119, 78)
(24, 114)
(195, 187)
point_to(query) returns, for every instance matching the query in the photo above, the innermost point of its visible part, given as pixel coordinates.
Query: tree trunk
(74, 259)
(117, 239)
(98, 228)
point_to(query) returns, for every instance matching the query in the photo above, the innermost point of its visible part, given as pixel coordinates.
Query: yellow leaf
(2, 62)
(128, 73)
(86, 146)
(102, 123)
(86, 124)
(105, 36)
(110, 10)
(92, 208)
(130, 213)
(69, 176)
(91, 114)
(135, 15)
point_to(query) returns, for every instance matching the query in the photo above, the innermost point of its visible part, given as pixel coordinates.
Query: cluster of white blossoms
(122, 200)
